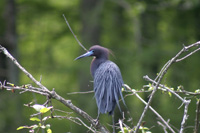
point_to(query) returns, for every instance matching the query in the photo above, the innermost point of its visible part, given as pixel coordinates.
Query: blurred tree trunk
(8, 70)
(10, 102)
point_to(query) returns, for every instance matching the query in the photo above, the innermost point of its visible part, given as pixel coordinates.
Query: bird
(107, 78)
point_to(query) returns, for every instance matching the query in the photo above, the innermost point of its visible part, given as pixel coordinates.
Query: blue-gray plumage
(107, 79)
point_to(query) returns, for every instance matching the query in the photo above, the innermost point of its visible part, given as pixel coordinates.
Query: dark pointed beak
(89, 53)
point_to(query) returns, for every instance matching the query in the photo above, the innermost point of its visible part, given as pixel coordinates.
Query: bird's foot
(96, 121)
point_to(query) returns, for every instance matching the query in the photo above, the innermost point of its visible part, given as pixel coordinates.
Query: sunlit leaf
(197, 91)
(144, 128)
(44, 110)
(34, 119)
(21, 127)
(27, 86)
(170, 94)
(150, 88)
(11, 84)
(49, 130)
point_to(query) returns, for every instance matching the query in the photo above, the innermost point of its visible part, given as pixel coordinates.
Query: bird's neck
(96, 62)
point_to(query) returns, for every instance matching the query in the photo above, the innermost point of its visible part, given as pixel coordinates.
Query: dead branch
(159, 78)
(42, 90)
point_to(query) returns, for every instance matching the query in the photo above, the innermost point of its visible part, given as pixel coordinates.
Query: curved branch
(52, 94)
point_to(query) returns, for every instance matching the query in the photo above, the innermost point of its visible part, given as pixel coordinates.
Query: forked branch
(51, 94)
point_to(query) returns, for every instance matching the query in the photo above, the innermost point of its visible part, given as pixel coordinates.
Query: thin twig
(94, 131)
(161, 71)
(35, 90)
(85, 92)
(73, 33)
(163, 126)
(191, 53)
(160, 77)
(197, 119)
(151, 97)
(121, 126)
(160, 85)
(154, 111)
(185, 116)
(4, 50)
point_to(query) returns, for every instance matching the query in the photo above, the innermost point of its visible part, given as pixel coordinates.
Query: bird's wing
(107, 86)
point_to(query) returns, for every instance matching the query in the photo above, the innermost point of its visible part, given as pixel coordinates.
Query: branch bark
(161, 74)
(197, 119)
(51, 94)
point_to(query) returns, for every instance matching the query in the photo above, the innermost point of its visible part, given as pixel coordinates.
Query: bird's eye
(92, 51)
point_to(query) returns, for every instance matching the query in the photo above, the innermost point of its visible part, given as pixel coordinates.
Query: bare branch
(197, 119)
(51, 94)
(4, 50)
(191, 53)
(156, 84)
(85, 92)
(163, 126)
(160, 85)
(121, 126)
(74, 34)
(94, 131)
(159, 78)
(154, 111)
(185, 116)
(152, 94)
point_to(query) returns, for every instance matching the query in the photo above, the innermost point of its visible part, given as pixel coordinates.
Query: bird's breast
(95, 65)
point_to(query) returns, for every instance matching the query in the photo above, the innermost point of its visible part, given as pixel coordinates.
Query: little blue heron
(108, 81)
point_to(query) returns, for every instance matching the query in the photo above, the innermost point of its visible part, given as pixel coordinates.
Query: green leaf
(11, 84)
(126, 130)
(49, 130)
(150, 88)
(197, 91)
(27, 86)
(143, 128)
(44, 110)
(34, 119)
(170, 94)
(21, 127)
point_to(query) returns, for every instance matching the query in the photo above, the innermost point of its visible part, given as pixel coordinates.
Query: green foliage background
(143, 36)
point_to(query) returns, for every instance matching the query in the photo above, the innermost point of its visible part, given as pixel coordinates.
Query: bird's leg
(97, 119)
(113, 120)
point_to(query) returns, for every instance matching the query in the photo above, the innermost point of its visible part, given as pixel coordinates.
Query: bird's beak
(89, 53)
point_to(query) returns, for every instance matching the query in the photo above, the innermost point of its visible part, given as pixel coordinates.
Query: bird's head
(97, 51)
